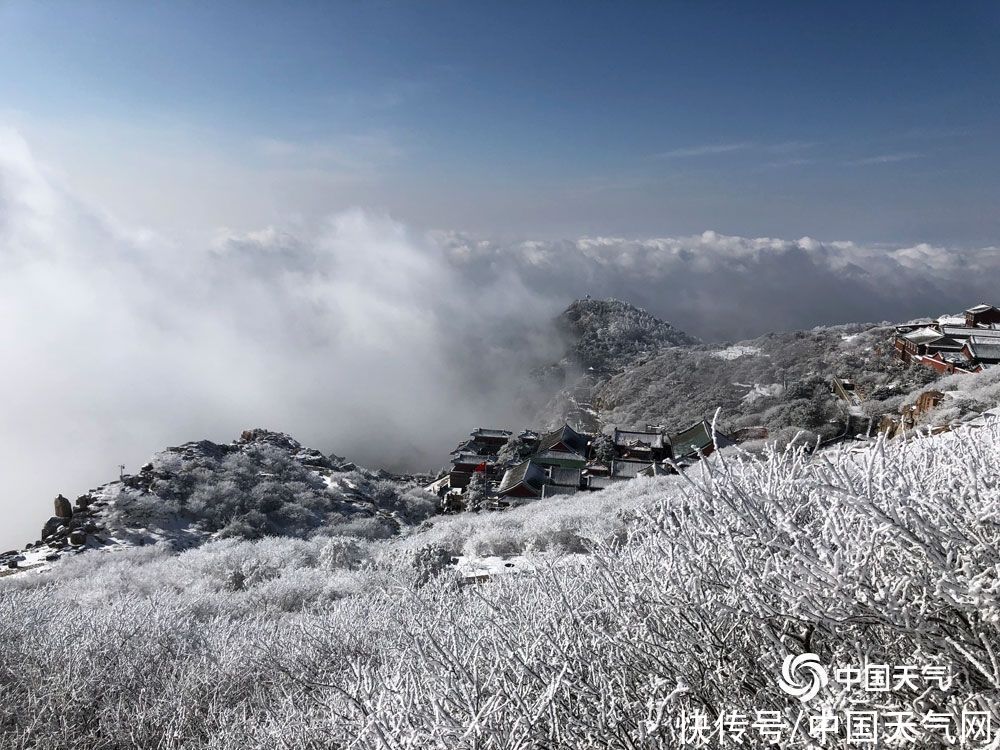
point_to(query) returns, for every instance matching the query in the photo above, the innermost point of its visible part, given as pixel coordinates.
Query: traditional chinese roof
(947, 343)
(567, 436)
(695, 438)
(980, 308)
(462, 447)
(984, 349)
(963, 332)
(629, 438)
(483, 432)
(472, 458)
(950, 320)
(923, 336)
(526, 473)
(952, 358)
(559, 458)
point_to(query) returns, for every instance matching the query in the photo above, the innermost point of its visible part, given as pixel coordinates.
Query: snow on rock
(758, 391)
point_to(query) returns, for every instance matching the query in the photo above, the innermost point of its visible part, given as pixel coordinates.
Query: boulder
(51, 526)
(63, 508)
(53, 557)
(78, 522)
(84, 501)
(77, 538)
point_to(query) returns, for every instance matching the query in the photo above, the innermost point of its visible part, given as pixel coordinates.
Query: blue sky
(861, 121)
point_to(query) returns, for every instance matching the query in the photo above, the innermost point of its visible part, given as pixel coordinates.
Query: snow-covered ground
(693, 591)
(736, 351)
(472, 568)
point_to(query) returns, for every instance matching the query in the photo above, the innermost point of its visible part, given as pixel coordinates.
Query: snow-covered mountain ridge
(263, 483)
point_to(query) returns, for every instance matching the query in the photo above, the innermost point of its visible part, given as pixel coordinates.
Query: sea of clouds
(355, 334)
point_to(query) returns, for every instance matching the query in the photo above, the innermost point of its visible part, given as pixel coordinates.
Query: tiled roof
(923, 336)
(963, 332)
(525, 472)
(472, 458)
(984, 348)
(572, 439)
(696, 438)
(489, 433)
(628, 438)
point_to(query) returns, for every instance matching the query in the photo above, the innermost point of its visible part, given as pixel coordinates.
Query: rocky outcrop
(101, 516)
(261, 436)
(51, 526)
(73, 528)
(63, 507)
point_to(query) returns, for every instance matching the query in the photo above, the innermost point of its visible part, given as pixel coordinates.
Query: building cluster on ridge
(952, 344)
(494, 469)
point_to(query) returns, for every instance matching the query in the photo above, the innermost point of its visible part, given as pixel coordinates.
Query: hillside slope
(625, 368)
(694, 593)
(780, 381)
(601, 337)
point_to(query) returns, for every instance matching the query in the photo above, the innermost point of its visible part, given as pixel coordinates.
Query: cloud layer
(356, 334)
(728, 288)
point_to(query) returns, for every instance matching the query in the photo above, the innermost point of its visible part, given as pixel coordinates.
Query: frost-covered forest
(263, 490)
(692, 590)
(780, 381)
(608, 334)
(625, 368)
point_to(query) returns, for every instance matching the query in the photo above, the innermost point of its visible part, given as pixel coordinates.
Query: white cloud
(725, 287)
(355, 333)
(706, 150)
(886, 158)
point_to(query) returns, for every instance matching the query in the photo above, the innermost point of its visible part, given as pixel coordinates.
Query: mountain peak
(607, 334)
